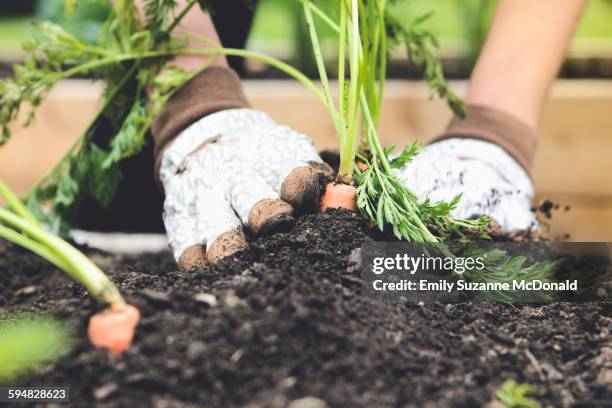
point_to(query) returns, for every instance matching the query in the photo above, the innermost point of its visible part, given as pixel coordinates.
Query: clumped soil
(285, 320)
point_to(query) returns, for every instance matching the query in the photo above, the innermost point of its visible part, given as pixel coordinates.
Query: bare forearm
(522, 55)
(196, 22)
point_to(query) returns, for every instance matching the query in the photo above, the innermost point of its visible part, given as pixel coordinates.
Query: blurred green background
(461, 26)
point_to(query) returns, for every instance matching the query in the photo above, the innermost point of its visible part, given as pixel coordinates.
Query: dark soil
(289, 322)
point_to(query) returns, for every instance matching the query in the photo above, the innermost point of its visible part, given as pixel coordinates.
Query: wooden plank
(32, 152)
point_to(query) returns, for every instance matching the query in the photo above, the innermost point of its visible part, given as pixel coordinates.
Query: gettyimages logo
(509, 272)
(412, 265)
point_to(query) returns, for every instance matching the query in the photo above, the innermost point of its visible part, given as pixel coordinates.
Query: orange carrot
(339, 195)
(114, 328)
(362, 166)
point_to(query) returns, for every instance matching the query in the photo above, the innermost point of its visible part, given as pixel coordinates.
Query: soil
(285, 320)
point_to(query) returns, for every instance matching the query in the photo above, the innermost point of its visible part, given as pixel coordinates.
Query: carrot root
(114, 329)
(339, 195)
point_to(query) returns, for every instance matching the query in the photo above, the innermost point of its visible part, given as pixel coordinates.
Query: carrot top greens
(365, 31)
(28, 342)
(19, 226)
(132, 56)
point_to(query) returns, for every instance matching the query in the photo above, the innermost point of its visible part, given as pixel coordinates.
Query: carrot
(339, 195)
(114, 328)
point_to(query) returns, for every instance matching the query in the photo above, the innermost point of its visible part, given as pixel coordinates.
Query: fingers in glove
(257, 203)
(289, 163)
(302, 188)
(269, 216)
(217, 225)
(178, 219)
(193, 257)
(226, 244)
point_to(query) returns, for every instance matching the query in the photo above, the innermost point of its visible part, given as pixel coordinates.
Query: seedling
(365, 29)
(28, 342)
(112, 328)
(514, 395)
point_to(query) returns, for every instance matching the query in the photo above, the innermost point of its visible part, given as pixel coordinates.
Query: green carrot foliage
(514, 395)
(29, 342)
(132, 56)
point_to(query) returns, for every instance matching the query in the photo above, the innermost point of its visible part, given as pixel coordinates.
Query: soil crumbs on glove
(285, 320)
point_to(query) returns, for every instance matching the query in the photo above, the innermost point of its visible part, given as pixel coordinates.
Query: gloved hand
(492, 182)
(231, 169)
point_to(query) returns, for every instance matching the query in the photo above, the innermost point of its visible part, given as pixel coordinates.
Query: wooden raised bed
(572, 166)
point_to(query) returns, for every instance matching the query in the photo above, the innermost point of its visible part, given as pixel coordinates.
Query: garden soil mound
(284, 323)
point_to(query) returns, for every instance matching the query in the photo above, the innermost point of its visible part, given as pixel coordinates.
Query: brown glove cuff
(213, 90)
(491, 125)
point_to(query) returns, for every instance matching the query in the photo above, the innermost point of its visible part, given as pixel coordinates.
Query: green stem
(379, 152)
(181, 15)
(382, 56)
(341, 74)
(374, 140)
(316, 46)
(83, 135)
(33, 246)
(16, 204)
(81, 268)
(325, 18)
(286, 68)
(347, 149)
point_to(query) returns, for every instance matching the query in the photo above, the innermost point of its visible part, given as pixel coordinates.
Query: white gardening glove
(491, 181)
(229, 170)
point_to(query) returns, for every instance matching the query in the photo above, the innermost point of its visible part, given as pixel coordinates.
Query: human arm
(225, 168)
(488, 155)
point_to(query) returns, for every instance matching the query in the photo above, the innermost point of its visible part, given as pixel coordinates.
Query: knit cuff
(500, 128)
(215, 89)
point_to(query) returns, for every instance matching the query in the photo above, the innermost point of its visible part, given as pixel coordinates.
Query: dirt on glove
(269, 216)
(303, 187)
(194, 257)
(227, 243)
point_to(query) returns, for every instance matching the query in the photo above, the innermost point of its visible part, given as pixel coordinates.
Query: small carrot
(339, 195)
(114, 328)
